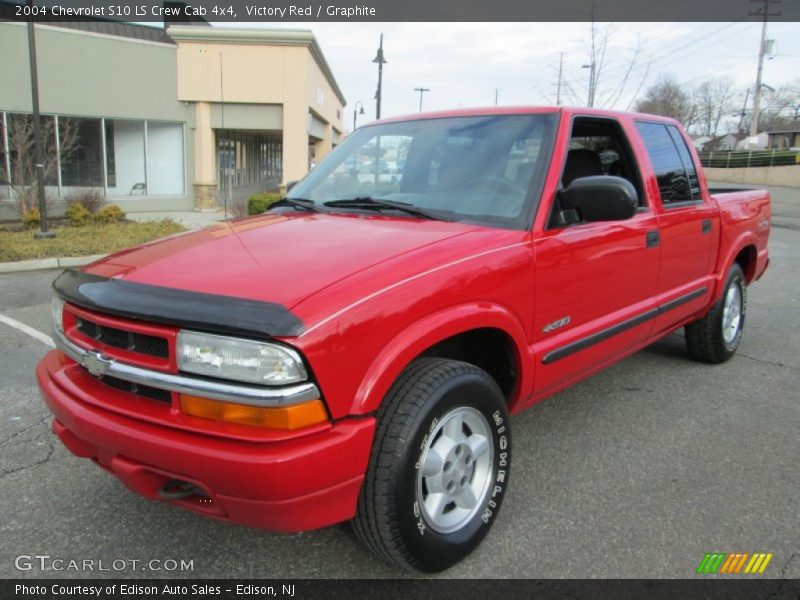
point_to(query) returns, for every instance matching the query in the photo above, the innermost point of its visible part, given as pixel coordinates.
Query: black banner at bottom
(391, 589)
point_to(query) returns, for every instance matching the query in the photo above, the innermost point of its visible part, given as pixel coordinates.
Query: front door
(594, 282)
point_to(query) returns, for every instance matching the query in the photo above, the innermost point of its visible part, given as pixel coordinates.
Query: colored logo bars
(734, 562)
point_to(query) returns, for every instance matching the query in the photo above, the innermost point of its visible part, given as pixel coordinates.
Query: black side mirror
(601, 198)
(291, 184)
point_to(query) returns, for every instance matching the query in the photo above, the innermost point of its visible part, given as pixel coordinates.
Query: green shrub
(91, 199)
(258, 203)
(77, 214)
(31, 218)
(110, 214)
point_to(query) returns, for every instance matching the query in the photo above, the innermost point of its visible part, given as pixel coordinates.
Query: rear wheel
(715, 338)
(439, 466)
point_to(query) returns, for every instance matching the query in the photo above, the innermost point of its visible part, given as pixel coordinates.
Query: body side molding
(604, 334)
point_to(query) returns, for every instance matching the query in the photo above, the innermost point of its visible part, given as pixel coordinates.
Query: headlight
(57, 311)
(238, 359)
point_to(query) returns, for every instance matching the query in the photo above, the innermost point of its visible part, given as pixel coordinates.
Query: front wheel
(439, 466)
(715, 338)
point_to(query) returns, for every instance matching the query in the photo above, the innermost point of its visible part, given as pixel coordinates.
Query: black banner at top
(244, 11)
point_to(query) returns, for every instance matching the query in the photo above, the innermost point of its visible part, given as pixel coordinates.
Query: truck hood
(274, 258)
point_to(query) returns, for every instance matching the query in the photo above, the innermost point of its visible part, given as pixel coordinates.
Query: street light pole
(356, 113)
(43, 232)
(421, 91)
(590, 98)
(380, 60)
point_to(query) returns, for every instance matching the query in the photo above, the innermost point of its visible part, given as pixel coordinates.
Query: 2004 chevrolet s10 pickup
(355, 352)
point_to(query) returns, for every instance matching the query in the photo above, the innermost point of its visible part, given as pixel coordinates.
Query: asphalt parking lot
(636, 472)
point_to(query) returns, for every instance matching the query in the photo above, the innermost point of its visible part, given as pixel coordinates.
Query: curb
(40, 264)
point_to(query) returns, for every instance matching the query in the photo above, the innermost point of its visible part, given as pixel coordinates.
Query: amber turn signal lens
(291, 417)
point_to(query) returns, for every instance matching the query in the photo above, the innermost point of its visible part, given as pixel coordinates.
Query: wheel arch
(747, 258)
(744, 252)
(452, 334)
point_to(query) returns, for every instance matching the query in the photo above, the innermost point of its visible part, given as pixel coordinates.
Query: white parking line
(34, 333)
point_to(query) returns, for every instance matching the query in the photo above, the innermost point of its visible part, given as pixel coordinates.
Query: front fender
(423, 334)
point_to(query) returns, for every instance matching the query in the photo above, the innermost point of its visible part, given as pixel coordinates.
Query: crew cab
(355, 352)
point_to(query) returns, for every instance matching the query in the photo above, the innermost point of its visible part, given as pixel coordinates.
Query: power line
(718, 69)
(705, 41)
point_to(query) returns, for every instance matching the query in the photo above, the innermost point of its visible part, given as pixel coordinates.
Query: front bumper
(290, 485)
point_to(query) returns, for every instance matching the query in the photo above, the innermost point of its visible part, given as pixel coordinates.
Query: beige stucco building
(191, 116)
(271, 83)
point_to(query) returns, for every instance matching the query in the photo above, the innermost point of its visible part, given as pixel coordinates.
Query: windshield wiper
(298, 203)
(375, 204)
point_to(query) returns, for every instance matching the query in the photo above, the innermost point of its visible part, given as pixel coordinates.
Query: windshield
(487, 170)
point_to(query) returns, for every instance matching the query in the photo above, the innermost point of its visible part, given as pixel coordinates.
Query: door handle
(653, 237)
(706, 226)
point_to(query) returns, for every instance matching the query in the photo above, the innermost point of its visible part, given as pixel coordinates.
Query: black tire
(390, 520)
(705, 337)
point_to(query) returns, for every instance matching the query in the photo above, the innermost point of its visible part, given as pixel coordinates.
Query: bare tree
(21, 144)
(607, 84)
(781, 108)
(714, 99)
(668, 98)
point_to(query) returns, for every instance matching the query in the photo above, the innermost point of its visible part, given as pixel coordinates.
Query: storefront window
(164, 158)
(140, 158)
(5, 191)
(84, 167)
(125, 156)
(21, 149)
(247, 159)
(3, 174)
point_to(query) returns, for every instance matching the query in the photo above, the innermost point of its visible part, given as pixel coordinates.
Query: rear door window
(672, 163)
(688, 163)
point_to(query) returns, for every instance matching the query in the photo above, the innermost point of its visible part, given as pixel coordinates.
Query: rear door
(687, 224)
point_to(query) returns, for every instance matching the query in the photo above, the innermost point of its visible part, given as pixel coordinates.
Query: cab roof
(521, 110)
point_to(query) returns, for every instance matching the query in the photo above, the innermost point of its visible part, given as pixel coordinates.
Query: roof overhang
(268, 37)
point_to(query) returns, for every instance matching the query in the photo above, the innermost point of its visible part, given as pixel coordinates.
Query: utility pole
(44, 232)
(592, 72)
(763, 12)
(560, 79)
(421, 91)
(496, 92)
(380, 61)
(592, 65)
(740, 127)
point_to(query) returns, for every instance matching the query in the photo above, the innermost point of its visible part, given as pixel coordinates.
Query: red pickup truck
(355, 352)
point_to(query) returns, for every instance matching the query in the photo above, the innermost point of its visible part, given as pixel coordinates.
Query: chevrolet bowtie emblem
(96, 363)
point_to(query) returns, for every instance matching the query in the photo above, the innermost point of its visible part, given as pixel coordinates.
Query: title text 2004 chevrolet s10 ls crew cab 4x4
(355, 352)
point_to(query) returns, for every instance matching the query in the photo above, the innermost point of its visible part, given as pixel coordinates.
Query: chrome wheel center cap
(455, 472)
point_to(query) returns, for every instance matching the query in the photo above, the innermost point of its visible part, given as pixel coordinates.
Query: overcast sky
(463, 63)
